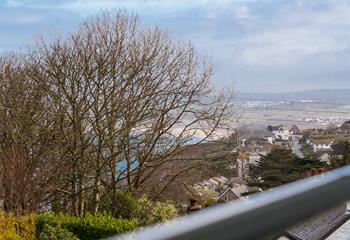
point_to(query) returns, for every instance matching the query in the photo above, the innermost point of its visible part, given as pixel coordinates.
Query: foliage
(142, 210)
(252, 190)
(280, 166)
(208, 202)
(308, 162)
(163, 211)
(203, 194)
(275, 169)
(340, 147)
(305, 137)
(307, 149)
(17, 227)
(148, 212)
(112, 90)
(56, 233)
(218, 157)
(119, 204)
(341, 156)
(269, 128)
(88, 227)
(346, 125)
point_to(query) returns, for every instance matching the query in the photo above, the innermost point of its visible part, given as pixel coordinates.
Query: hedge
(55, 233)
(88, 228)
(17, 227)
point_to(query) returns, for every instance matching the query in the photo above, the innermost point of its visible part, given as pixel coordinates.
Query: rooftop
(321, 226)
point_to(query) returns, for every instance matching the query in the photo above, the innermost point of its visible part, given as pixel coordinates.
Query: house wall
(229, 196)
(322, 147)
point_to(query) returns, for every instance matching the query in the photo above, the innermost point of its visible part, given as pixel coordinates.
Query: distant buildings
(229, 195)
(213, 183)
(236, 189)
(223, 190)
(253, 147)
(281, 132)
(323, 145)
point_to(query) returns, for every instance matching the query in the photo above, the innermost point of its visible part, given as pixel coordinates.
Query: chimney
(314, 171)
(194, 206)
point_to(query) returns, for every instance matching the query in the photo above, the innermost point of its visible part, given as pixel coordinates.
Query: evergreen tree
(279, 167)
(346, 125)
(341, 154)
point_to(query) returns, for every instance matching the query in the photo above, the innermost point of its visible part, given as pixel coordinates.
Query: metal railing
(264, 214)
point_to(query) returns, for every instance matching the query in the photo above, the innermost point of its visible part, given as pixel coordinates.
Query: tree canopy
(341, 154)
(113, 91)
(279, 167)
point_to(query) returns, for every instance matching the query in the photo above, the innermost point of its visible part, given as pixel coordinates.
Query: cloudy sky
(260, 45)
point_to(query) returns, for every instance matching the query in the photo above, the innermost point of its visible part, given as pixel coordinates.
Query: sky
(255, 45)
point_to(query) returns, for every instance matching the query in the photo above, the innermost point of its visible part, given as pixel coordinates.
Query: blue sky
(260, 45)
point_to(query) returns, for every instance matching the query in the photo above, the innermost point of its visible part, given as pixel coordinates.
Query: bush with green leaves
(89, 227)
(148, 212)
(56, 233)
(142, 210)
(14, 227)
(164, 211)
(209, 202)
(119, 204)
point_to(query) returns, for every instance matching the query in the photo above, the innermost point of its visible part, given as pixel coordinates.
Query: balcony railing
(260, 217)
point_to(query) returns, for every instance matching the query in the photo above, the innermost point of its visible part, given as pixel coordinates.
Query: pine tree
(341, 154)
(279, 167)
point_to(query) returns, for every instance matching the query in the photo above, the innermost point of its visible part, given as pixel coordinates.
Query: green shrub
(55, 233)
(208, 202)
(142, 210)
(149, 212)
(10, 235)
(89, 227)
(164, 211)
(119, 204)
(17, 227)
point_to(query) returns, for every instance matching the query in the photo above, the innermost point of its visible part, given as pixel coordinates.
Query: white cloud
(9, 18)
(254, 40)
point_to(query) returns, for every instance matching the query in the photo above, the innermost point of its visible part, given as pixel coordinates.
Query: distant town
(306, 109)
(254, 144)
(268, 156)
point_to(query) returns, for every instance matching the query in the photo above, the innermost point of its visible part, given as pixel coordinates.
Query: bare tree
(111, 94)
(25, 145)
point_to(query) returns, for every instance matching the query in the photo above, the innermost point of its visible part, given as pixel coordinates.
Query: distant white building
(322, 145)
(281, 132)
(212, 183)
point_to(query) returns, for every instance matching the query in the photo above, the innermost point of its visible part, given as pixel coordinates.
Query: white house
(281, 132)
(212, 183)
(322, 145)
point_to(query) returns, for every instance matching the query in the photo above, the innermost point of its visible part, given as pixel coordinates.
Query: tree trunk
(97, 194)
